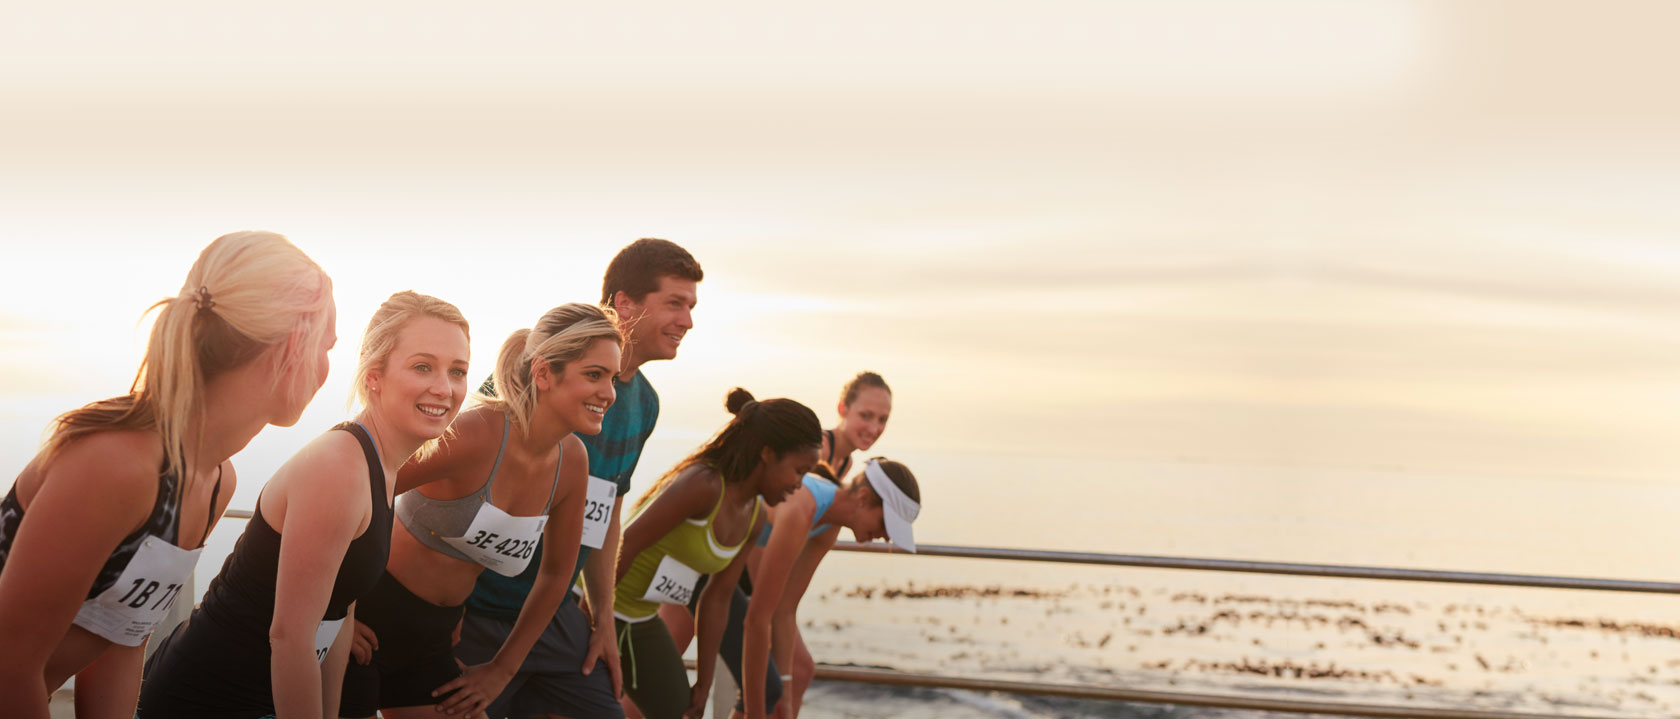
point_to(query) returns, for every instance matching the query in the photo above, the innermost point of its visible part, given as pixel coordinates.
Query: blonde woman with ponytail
(103, 527)
(271, 637)
(506, 488)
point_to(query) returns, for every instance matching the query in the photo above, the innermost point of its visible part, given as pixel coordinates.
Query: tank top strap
(828, 436)
(209, 515)
(723, 489)
(376, 470)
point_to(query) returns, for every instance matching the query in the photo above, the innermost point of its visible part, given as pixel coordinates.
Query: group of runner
(425, 558)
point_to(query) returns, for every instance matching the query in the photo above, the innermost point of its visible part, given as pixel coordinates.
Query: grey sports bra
(431, 520)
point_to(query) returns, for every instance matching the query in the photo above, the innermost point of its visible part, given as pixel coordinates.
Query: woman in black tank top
(508, 474)
(271, 636)
(100, 531)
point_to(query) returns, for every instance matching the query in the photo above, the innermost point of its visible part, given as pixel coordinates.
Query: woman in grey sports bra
(507, 483)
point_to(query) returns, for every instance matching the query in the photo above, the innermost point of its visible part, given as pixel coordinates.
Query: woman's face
(424, 380)
(865, 418)
(584, 391)
(785, 474)
(873, 526)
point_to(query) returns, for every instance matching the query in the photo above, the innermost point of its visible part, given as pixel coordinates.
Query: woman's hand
(697, 700)
(477, 686)
(363, 643)
(603, 647)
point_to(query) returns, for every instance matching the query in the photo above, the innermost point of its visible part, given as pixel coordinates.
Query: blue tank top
(822, 490)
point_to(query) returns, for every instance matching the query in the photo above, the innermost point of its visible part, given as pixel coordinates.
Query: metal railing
(1224, 701)
(1209, 700)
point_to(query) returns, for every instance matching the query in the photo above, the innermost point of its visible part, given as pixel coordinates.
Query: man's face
(660, 320)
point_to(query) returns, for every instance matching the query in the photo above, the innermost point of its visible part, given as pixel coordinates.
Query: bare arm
(711, 619)
(791, 522)
(86, 503)
(109, 688)
(324, 493)
(787, 646)
(332, 667)
(598, 572)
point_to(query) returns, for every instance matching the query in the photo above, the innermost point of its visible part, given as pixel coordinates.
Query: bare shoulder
(572, 451)
(474, 436)
(696, 487)
(323, 464)
(107, 477)
(125, 462)
(798, 507)
(475, 426)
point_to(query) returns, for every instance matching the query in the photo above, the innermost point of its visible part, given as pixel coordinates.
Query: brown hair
(895, 471)
(849, 391)
(247, 291)
(636, 269)
(781, 424)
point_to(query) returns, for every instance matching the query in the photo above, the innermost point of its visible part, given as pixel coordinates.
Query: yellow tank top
(691, 544)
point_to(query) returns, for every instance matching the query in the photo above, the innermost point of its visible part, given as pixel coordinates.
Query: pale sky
(1429, 235)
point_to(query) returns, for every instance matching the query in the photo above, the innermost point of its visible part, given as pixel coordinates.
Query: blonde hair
(383, 332)
(248, 291)
(562, 335)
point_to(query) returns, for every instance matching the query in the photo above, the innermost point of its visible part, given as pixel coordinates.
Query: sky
(1425, 236)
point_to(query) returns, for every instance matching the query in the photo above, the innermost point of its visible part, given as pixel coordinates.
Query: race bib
(500, 541)
(325, 634)
(598, 511)
(129, 610)
(673, 583)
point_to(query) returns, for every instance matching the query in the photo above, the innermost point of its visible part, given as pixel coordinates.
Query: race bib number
(598, 511)
(673, 583)
(325, 634)
(129, 610)
(499, 541)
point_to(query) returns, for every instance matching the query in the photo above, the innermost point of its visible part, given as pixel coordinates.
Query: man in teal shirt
(573, 670)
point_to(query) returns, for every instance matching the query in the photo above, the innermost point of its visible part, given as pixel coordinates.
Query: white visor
(897, 508)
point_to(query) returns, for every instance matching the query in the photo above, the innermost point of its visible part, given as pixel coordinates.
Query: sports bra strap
(210, 516)
(507, 425)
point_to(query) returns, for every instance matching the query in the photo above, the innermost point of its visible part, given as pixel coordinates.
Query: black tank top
(242, 595)
(840, 469)
(216, 664)
(163, 522)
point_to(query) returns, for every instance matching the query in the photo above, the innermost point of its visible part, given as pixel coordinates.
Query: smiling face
(660, 320)
(866, 418)
(584, 390)
(781, 476)
(423, 381)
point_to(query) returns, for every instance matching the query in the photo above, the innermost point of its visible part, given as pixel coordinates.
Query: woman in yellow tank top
(693, 522)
